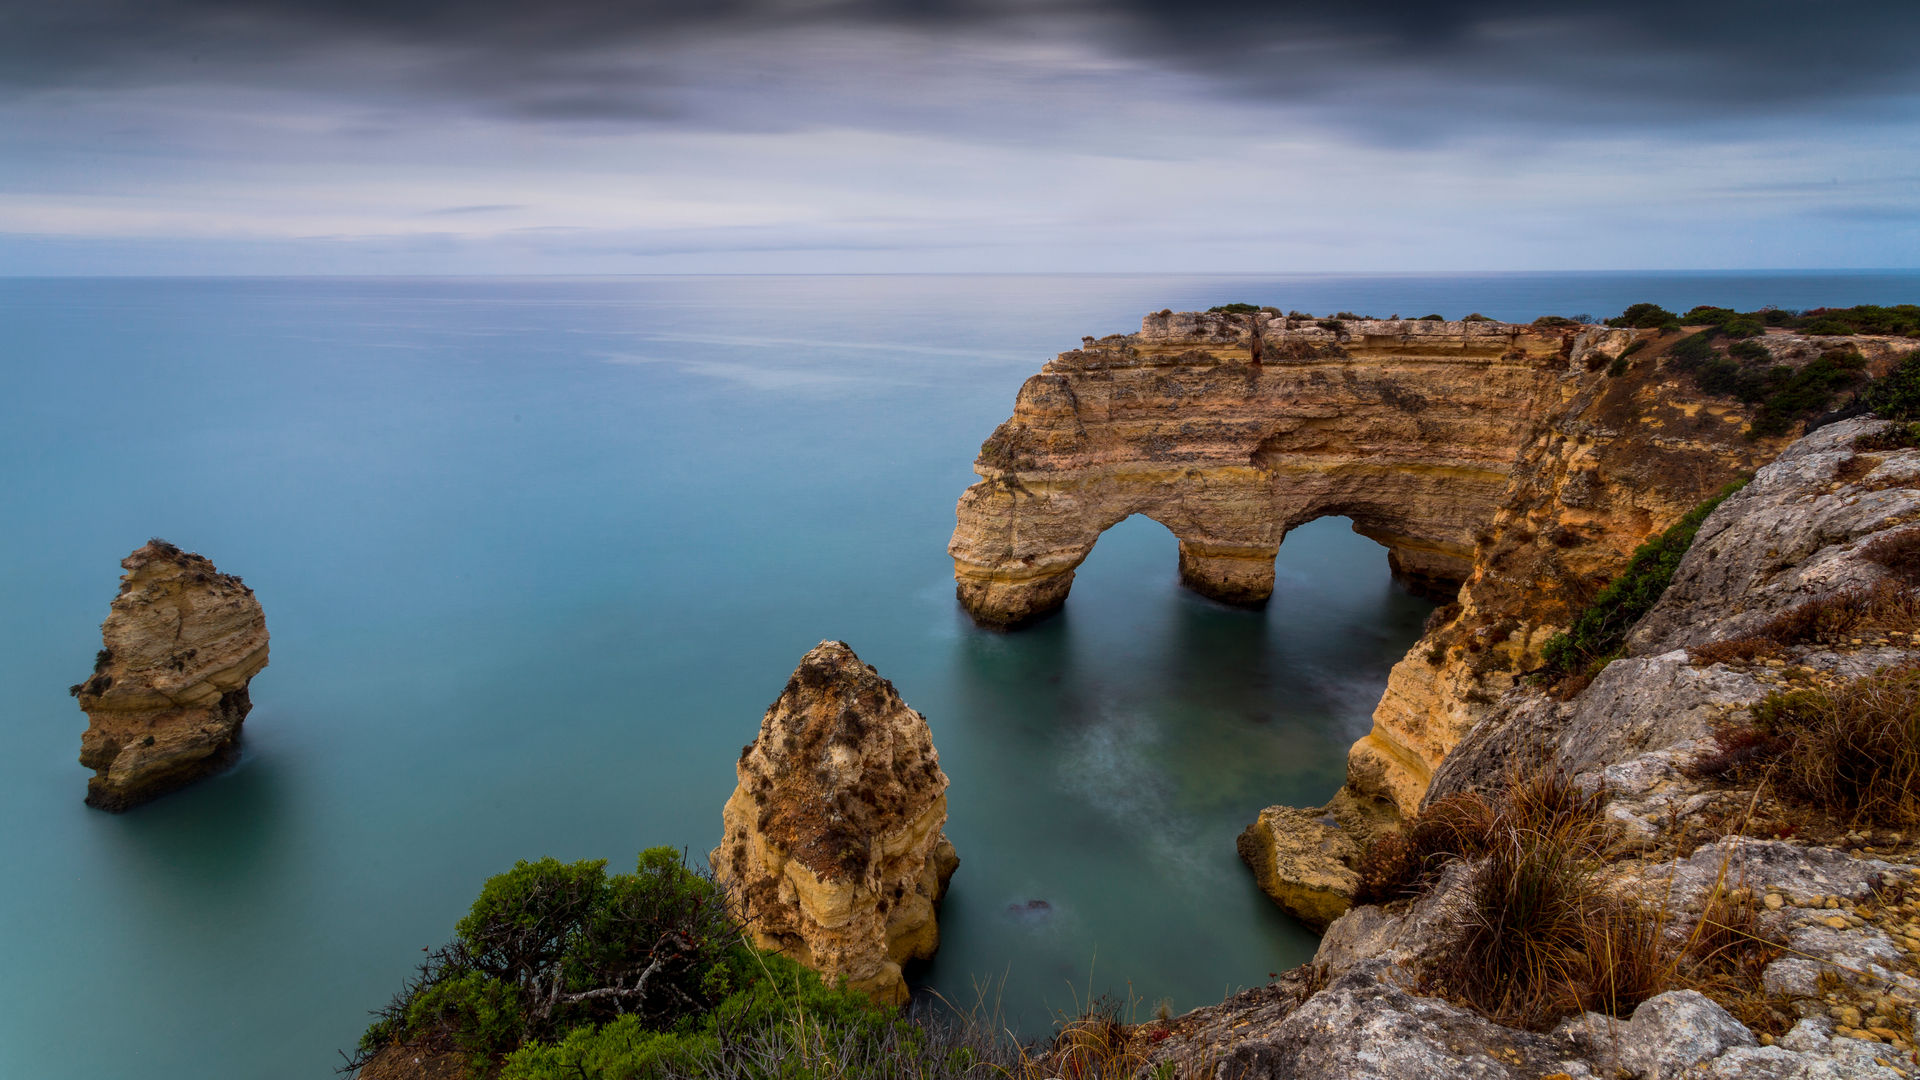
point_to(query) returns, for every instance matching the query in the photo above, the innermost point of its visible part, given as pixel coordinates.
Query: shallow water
(535, 556)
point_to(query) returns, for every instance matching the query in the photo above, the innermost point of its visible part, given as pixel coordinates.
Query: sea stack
(169, 688)
(833, 845)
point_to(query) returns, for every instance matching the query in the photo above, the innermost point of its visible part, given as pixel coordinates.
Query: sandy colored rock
(833, 844)
(1503, 465)
(1231, 430)
(1305, 859)
(168, 691)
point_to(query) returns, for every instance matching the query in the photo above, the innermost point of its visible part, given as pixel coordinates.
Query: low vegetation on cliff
(561, 970)
(1900, 320)
(1599, 633)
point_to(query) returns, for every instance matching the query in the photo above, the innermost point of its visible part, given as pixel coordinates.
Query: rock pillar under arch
(1237, 574)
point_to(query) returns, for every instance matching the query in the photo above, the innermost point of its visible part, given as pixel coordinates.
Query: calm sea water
(536, 554)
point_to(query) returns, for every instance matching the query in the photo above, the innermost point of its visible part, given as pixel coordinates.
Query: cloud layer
(1038, 135)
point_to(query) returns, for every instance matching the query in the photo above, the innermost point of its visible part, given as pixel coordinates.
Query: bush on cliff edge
(562, 971)
(1599, 633)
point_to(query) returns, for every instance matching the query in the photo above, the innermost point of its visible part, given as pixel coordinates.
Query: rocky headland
(1527, 464)
(168, 691)
(1824, 904)
(833, 848)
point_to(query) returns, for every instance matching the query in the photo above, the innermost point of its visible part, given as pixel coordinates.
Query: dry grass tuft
(1512, 946)
(1741, 650)
(1832, 620)
(1852, 750)
(1899, 552)
(1468, 825)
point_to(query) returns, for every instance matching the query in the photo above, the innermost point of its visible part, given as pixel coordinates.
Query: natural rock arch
(1233, 430)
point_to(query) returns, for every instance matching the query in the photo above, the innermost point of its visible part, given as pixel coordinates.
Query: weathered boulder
(168, 691)
(833, 845)
(1305, 859)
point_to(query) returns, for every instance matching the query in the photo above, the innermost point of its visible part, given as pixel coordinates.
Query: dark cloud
(1398, 65)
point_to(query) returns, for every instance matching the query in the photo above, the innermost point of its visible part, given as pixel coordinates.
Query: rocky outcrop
(1521, 464)
(1305, 860)
(833, 845)
(168, 691)
(1846, 979)
(1231, 430)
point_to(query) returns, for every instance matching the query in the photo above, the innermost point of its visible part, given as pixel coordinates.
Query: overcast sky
(575, 136)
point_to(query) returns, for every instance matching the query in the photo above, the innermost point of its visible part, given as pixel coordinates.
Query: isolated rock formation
(169, 689)
(833, 844)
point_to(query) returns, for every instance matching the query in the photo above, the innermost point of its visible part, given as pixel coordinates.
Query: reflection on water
(1104, 761)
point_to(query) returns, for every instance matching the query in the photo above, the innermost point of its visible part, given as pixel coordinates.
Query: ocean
(537, 553)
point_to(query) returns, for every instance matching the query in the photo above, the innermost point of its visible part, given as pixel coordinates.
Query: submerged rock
(833, 844)
(168, 691)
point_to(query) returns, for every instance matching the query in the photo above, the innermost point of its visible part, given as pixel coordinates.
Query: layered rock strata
(833, 843)
(1231, 430)
(1845, 982)
(168, 691)
(1617, 459)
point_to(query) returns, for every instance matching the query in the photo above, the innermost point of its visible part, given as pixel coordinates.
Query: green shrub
(1432, 318)
(1644, 317)
(1477, 317)
(1692, 351)
(1555, 320)
(1896, 395)
(1618, 367)
(1599, 633)
(548, 947)
(621, 1050)
(1234, 309)
(1793, 395)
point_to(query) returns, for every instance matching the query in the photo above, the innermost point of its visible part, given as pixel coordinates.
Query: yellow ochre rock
(168, 691)
(833, 845)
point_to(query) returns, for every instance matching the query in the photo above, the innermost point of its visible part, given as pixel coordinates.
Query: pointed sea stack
(833, 844)
(169, 689)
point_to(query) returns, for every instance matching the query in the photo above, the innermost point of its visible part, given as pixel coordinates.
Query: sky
(793, 136)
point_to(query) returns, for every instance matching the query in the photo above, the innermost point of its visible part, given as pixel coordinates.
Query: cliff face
(1616, 461)
(1232, 429)
(833, 844)
(169, 691)
(1843, 979)
(1513, 468)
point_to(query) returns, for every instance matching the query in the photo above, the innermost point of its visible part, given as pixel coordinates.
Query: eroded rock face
(1233, 429)
(1617, 460)
(169, 690)
(1801, 530)
(833, 843)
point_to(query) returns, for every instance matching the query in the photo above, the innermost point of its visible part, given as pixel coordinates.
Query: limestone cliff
(1513, 468)
(833, 845)
(1841, 976)
(1233, 429)
(168, 692)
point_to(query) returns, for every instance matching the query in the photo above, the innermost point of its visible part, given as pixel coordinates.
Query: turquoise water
(536, 555)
